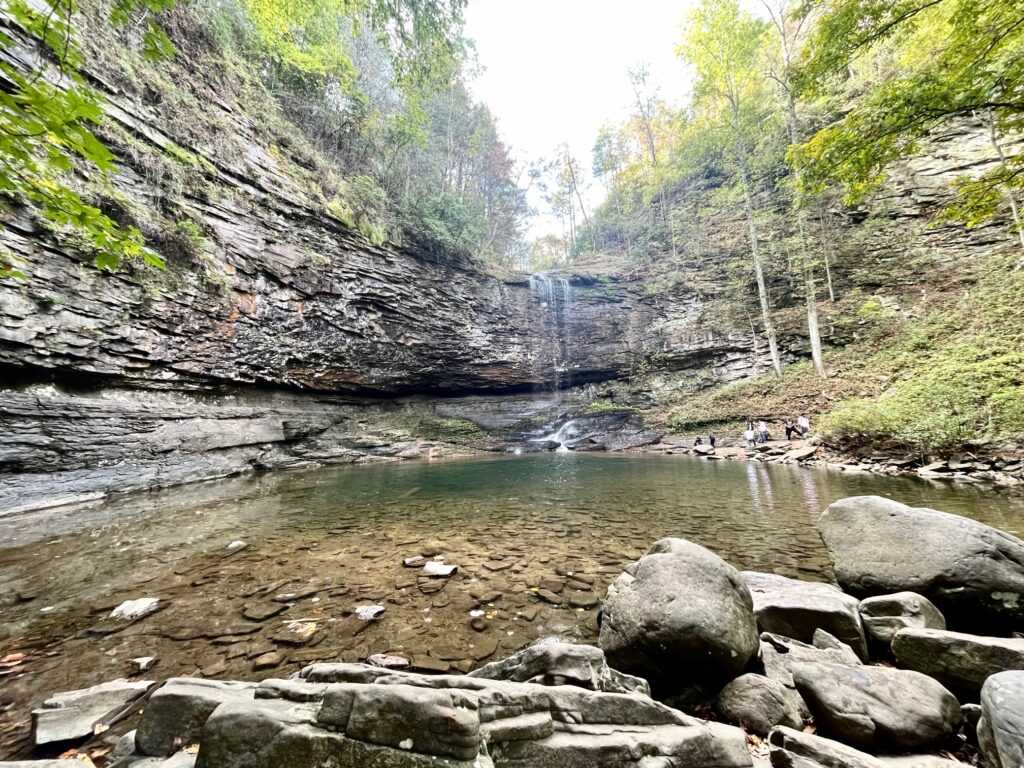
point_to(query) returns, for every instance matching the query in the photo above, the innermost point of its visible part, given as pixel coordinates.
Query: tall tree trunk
(813, 332)
(576, 189)
(828, 273)
(1009, 192)
(762, 290)
(810, 287)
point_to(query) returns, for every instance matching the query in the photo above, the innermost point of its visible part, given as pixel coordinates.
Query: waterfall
(554, 294)
(564, 434)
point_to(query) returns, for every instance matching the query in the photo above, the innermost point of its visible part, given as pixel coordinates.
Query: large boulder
(878, 708)
(759, 704)
(76, 714)
(795, 609)
(972, 572)
(679, 615)
(556, 663)
(959, 661)
(175, 714)
(1001, 727)
(789, 748)
(885, 615)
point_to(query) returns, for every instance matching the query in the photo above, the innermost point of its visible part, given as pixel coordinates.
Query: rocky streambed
(696, 664)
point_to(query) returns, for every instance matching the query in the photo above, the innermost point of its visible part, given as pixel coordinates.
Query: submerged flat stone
(77, 714)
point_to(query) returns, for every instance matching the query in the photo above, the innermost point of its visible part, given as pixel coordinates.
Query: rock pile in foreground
(772, 654)
(359, 715)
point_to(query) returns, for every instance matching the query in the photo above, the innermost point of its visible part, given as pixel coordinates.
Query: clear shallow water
(337, 538)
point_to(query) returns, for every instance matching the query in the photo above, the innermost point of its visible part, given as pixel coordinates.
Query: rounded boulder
(972, 572)
(679, 616)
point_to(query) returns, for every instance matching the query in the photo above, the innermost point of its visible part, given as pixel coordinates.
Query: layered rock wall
(280, 337)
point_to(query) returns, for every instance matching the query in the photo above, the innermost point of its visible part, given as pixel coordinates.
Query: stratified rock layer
(960, 661)
(369, 716)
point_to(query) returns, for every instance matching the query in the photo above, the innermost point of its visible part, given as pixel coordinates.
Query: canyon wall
(281, 338)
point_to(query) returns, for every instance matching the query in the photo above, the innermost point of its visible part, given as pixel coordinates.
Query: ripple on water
(323, 542)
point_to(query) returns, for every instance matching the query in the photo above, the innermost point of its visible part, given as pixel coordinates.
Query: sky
(555, 71)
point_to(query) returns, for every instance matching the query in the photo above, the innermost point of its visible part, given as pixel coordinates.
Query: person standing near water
(790, 427)
(804, 423)
(749, 434)
(711, 440)
(762, 427)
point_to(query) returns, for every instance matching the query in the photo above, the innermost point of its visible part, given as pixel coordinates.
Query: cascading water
(554, 295)
(563, 435)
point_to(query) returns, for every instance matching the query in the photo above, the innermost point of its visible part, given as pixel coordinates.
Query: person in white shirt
(804, 423)
(763, 429)
(749, 434)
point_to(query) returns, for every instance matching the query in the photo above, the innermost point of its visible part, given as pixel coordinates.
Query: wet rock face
(972, 572)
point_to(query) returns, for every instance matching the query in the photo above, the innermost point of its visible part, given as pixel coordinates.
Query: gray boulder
(398, 719)
(135, 760)
(788, 748)
(885, 615)
(878, 708)
(175, 714)
(794, 608)
(959, 661)
(677, 616)
(759, 704)
(972, 572)
(1001, 727)
(780, 654)
(75, 714)
(549, 663)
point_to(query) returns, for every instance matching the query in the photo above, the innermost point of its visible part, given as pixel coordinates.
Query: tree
(951, 59)
(48, 114)
(788, 25)
(724, 45)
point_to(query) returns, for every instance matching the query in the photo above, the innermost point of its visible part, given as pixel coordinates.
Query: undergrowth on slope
(927, 378)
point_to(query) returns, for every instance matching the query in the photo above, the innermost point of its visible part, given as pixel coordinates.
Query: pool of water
(335, 539)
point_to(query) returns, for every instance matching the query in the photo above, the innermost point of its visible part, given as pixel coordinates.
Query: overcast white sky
(554, 71)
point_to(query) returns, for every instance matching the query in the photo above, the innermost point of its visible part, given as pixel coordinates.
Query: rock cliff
(280, 337)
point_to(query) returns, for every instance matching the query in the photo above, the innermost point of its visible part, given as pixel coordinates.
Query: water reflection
(509, 523)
